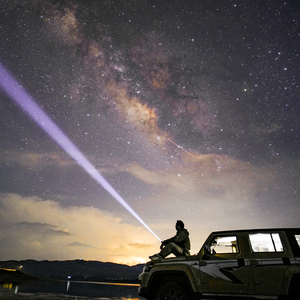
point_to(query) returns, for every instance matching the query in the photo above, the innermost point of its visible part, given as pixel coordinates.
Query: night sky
(189, 109)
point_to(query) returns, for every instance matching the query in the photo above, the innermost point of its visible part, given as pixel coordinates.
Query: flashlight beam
(18, 94)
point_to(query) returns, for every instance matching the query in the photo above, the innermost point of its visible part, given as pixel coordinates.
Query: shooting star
(180, 147)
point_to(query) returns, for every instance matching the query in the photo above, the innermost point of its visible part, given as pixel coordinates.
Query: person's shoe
(155, 257)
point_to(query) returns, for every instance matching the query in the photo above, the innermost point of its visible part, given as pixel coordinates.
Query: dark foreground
(56, 290)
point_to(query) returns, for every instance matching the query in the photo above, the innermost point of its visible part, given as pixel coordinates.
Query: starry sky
(189, 109)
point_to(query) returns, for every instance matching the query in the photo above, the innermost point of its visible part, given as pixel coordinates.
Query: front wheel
(173, 290)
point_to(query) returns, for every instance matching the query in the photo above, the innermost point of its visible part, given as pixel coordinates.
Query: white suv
(262, 263)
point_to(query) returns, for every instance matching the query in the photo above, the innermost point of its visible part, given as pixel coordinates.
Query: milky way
(190, 110)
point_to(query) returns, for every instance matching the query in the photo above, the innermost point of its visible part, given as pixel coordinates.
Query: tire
(294, 290)
(173, 290)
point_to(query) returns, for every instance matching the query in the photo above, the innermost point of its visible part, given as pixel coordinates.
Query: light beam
(18, 94)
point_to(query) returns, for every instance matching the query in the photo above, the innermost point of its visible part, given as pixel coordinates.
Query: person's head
(179, 225)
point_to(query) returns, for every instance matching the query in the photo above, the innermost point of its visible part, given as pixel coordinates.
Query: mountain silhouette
(70, 270)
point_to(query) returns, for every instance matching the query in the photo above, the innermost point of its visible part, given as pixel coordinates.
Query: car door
(269, 261)
(225, 270)
(294, 240)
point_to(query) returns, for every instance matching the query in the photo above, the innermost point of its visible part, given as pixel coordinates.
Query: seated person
(179, 245)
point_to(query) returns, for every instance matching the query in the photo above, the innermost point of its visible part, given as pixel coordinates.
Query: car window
(266, 242)
(297, 237)
(225, 244)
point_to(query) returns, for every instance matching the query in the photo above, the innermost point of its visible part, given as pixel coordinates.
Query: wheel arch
(159, 277)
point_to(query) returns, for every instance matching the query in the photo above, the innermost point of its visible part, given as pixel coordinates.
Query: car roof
(255, 230)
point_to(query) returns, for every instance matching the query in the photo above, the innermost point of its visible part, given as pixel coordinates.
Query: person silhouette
(179, 245)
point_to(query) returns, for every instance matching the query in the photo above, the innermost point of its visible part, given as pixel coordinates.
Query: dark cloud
(40, 229)
(80, 245)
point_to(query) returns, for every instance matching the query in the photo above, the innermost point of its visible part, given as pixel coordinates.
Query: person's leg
(171, 248)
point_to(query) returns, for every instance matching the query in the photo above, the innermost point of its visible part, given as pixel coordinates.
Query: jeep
(255, 263)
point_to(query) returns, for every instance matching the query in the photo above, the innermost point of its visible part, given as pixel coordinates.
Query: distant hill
(73, 270)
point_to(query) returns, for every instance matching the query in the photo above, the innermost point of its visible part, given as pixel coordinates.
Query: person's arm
(179, 237)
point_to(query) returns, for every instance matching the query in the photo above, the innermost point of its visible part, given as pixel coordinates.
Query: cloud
(211, 174)
(140, 246)
(37, 160)
(40, 229)
(80, 245)
(158, 178)
(45, 230)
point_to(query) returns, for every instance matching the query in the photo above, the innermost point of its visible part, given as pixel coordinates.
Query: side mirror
(207, 252)
(207, 249)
